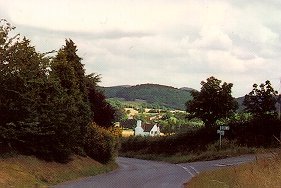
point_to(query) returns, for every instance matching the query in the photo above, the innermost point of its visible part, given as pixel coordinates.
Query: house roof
(147, 127)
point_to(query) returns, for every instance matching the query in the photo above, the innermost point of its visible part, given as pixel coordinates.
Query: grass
(229, 149)
(191, 157)
(264, 172)
(28, 171)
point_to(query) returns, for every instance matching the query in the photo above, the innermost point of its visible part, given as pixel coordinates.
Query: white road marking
(223, 164)
(186, 169)
(197, 172)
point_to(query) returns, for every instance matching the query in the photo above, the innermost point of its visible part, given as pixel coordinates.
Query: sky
(177, 43)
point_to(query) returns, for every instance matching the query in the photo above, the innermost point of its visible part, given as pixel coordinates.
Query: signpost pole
(221, 132)
(220, 137)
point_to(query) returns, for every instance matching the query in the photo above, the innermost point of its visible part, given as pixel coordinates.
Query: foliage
(120, 113)
(213, 102)
(101, 144)
(261, 101)
(190, 141)
(255, 132)
(46, 103)
(152, 93)
(104, 113)
(141, 117)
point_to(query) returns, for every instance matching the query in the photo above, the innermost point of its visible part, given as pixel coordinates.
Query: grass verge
(28, 171)
(191, 157)
(264, 172)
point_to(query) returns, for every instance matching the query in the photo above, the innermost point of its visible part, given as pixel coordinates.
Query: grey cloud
(113, 34)
(243, 56)
(243, 3)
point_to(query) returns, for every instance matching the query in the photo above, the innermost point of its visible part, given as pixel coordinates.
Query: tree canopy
(212, 102)
(46, 104)
(261, 101)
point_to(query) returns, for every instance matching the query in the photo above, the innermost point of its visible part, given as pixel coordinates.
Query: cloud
(214, 39)
(242, 55)
(177, 43)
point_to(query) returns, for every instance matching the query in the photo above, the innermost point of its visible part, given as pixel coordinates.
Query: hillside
(167, 96)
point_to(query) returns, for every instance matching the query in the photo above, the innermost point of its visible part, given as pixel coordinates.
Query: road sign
(221, 132)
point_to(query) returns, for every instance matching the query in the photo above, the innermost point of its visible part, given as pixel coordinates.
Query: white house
(147, 129)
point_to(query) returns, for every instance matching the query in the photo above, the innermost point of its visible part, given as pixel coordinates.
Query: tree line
(49, 107)
(214, 102)
(257, 125)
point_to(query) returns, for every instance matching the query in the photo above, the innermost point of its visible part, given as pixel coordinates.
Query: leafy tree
(261, 101)
(121, 114)
(214, 101)
(27, 101)
(141, 117)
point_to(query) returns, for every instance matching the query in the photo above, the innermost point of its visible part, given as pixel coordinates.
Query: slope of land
(167, 96)
(28, 171)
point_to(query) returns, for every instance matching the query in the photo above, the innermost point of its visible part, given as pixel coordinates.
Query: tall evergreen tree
(71, 57)
(78, 113)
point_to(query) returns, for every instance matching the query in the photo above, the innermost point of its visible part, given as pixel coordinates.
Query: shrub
(101, 144)
(255, 133)
(192, 141)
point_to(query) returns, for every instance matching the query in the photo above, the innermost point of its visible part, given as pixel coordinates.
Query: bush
(192, 141)
(255, 133)
(101, 144)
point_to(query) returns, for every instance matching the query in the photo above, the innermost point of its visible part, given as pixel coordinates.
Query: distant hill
(167, 96)
(240, 101)
(186, 88)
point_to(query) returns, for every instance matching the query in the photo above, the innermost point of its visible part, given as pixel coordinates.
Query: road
(136, 173)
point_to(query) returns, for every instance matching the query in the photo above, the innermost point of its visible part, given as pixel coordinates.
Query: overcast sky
(171, 42)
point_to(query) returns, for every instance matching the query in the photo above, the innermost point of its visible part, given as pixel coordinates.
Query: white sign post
(221, 132)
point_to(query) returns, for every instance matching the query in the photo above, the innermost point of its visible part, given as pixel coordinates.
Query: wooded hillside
(167, 96)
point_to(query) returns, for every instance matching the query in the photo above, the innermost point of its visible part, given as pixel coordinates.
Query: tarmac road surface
(136, 173)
